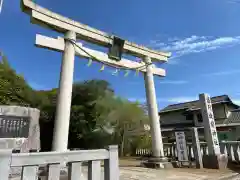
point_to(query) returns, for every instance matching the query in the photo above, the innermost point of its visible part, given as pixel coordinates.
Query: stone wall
(33, 139)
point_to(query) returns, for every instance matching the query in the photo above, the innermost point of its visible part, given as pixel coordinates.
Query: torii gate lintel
(74, 30)
(58, 44)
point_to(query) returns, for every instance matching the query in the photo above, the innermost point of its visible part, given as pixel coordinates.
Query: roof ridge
(183, 103)
(197, 100)
(195, 103)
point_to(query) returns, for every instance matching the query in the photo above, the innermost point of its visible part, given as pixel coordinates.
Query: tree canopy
(14, 90)
(98, 116)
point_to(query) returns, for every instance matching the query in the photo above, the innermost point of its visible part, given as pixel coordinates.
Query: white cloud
(168, 100)
(236, 101)
(222, 73)
(37, 86)
(181, 99)
(174, 100)
(173, 61)
(177, 82)
(172, 39)
(195, 44)
(140, 99)
(157, 43)
(233, 1)
(161, 81)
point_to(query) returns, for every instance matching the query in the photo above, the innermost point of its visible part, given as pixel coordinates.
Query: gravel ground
(138, 173)
(129, 171)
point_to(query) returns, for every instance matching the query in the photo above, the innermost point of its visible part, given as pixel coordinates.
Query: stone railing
(231, 148)
(12, 143)
(143, 152)
(30, 163)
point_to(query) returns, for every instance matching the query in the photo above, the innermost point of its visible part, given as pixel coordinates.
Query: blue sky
(203, 36)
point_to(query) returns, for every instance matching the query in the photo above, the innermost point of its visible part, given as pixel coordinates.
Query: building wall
(231, 134)
(219, 111)
(173, 118)
(236, 133)
(229, 108)
(177, 116)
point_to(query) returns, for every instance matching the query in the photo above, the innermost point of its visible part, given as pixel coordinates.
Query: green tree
(123, 117)
(14, 90)
(98, 118)
(84, 114)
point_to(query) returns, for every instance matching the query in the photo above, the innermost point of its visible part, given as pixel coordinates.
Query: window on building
(199, 117)
(189, 117)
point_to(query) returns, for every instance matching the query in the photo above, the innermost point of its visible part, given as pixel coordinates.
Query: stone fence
(231, 148)
(30, 163)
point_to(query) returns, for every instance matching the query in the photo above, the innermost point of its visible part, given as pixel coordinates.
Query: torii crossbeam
(70, 47)
(59, 44)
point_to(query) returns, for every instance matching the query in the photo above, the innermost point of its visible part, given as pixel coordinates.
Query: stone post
(209, 124)
(157, 145)
(214, 159)
(62, 118)
(195, 119)
(197, 148)
(181, 145)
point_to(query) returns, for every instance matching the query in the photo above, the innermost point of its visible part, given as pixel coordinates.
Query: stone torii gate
(74, 31)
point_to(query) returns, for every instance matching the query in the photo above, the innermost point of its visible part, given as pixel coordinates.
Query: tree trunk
(122, 144)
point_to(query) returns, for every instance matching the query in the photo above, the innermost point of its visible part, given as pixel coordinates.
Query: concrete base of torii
(215, 161)
(157, 163)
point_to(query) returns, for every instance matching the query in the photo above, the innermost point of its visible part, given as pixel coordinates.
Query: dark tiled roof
(234, 117)
(195, 104)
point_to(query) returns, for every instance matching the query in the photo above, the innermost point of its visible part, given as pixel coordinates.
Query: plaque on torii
(75, 31)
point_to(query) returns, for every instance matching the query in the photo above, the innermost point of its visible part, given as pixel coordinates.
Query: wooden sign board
(181, 146)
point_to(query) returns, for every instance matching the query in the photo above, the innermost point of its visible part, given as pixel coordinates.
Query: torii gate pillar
(64, 98)
(157, 145)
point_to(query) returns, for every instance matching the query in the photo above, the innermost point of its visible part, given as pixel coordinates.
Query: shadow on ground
(234, 166)
(136, 162)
